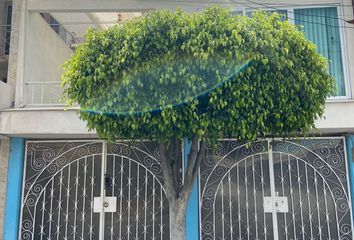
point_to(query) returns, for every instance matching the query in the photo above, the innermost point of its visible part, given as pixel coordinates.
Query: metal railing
(5, 36)
(66, 36)
(61, 31)
(43, 93)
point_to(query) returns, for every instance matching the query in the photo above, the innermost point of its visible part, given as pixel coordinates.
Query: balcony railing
(5, 35)
(61, 31)
(42, 71)
(43, 93)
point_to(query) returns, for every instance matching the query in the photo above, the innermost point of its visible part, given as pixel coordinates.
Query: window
(51, 22)
(237, 13)
(8, 29)
(321, 26)
(282, 12)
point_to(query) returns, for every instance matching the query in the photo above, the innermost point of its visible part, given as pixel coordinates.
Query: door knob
(105, 204)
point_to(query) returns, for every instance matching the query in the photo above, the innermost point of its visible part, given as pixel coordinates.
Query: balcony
(6, 91)
(51, 38)
(43, 94)
(5, 34)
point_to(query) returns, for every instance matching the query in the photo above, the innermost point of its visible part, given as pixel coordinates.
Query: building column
(4, 157)
(14, 188)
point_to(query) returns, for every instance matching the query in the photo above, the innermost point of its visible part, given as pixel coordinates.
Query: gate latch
(106, 204)
(276, 204)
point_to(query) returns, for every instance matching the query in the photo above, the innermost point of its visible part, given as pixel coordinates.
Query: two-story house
(52, 170)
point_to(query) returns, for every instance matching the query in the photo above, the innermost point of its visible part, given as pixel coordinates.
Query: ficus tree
(168, 76)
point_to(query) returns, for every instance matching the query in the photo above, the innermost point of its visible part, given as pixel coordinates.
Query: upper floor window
(8, 29)
(321, 26)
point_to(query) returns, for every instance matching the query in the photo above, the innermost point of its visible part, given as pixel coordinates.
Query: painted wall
(14, 186)
(39, 123)
(45, 53)
(6, 95)
(34, 123)
(350, 147)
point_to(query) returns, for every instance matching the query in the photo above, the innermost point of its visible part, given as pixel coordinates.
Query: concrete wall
(6, 95)
(4, 156)
(50, 123)
(3, 5)
(57, 123)
(45, 53)
(133, 5)
(14, 47)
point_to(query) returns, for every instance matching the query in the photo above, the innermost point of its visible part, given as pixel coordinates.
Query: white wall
(6, 95)
(45, 53)
(50, 123)
(57, 123)
(132, 5)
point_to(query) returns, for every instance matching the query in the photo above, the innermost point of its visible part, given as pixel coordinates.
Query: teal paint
(192, 214)
(321, 26)
(14, 188)
(350, 146)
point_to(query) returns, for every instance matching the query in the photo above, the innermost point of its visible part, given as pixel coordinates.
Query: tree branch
(174, 155)
(169, 157)
(192, 170)
(167, 173)
(191, 159)
(200, 156)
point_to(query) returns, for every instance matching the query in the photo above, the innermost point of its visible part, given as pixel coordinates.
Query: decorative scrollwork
(43, 161)
(83, 151)
(62, 179)
(346, 228)
(48, 154)
(38, 164)
(61, 161)
(94, 149)
(234, 178)
(126, 151)
(116, 149)
(335, 160)
(148, 161)
(323, 150)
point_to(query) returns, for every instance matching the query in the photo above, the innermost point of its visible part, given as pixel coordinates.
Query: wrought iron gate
(287, 190)
(65, 181)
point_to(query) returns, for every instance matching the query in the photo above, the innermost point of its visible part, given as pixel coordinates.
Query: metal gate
(287, 190)
(93, 190)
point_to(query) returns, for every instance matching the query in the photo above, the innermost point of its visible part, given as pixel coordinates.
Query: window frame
(342, 35)
(8, 5)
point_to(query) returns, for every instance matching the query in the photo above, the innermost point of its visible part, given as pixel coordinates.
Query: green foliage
(281, 91)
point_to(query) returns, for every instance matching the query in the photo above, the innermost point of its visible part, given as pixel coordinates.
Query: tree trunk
(177, 195)
(178, 221)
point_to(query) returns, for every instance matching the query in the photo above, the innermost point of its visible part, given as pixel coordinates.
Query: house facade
(55, 175)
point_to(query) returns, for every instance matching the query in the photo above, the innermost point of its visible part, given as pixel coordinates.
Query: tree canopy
(209, 74)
